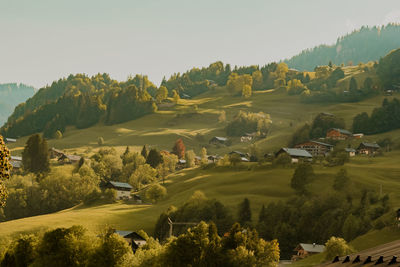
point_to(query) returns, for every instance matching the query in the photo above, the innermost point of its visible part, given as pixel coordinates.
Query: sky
(44, 40)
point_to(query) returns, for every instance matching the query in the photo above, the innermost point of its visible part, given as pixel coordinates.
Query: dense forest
(366, 44)
(81, 101)
(11, 94)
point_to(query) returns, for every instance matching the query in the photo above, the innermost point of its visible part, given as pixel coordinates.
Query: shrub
(156, 192)
(336, 246)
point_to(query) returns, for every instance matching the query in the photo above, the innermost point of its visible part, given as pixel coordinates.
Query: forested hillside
(11, 94)
(366, 44)
(80, 101)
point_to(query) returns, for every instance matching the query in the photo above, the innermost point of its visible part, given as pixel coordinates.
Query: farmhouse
(351, 151)
(305, 250)
(358, 135)
(316, 148)
(69, 159)
(123, 189)
(296, 154)
(338, 134)
(134, 239)
(217, 140)
(368, 148)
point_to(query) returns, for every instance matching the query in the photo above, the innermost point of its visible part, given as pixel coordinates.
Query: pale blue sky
(44, 40)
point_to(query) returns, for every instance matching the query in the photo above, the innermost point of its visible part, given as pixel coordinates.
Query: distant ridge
(12, 94)
(363, 45)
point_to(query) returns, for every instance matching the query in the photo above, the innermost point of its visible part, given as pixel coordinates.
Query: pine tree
(262, 216)
(353, 87)
(244, 215)
(5, 168)
(35, 157)
(144, 152)
(154, 158)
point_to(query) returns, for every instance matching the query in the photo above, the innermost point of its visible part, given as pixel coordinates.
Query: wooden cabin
(69, 159)
(368, 148)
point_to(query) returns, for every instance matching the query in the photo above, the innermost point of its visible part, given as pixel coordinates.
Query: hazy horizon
(43, 41)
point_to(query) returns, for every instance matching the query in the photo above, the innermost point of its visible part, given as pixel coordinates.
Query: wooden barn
(316, 148)
(338, 134)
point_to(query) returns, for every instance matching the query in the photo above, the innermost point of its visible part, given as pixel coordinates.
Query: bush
(110, 195)
(336, 246)
(156, 192)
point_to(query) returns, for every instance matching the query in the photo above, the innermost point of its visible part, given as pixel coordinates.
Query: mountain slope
(11, 94)
(366, 44)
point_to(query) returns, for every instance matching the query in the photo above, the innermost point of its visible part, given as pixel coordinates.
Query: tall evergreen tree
(5, 168)
(35, 157)
(244, 212)
(144, 152)
(154, 158)
(353, 87)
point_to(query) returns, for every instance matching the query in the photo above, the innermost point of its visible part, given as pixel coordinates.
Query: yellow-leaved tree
(5, 168)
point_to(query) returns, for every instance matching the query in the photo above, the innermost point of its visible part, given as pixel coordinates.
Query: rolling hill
(363, 45)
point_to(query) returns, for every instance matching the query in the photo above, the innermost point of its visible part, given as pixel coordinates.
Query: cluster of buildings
(307, 150)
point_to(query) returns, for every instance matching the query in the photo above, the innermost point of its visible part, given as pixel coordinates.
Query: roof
(119, 184)
(70, 157)
(244, 159)
(15, 158)
(56, 150)
(371, 145)
(295, 152)
(182, 161)
(129, 234)
(237, 152)
(317, 142)
(342, 131)
(220, 138)
(10, 140)
(312, 247)
(350, 150)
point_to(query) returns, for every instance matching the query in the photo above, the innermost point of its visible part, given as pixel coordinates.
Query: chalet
(134, 239)
(315, 148)
(338, 134)
(351, 151)
(296, 154)
(181, 164)
(69, 159)
(123, 189)
(213, 158)
(305, 250)
(247, 137)
(10, 140)
(217, 140)
(55, 153)
(368, 148)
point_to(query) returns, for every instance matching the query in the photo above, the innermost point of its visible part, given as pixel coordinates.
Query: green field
(230, 186)
(260, 185)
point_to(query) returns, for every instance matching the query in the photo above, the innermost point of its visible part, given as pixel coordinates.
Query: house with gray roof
(134, 239)
(368, 148)
(296, 154)
(123, 189)
(304, 250)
